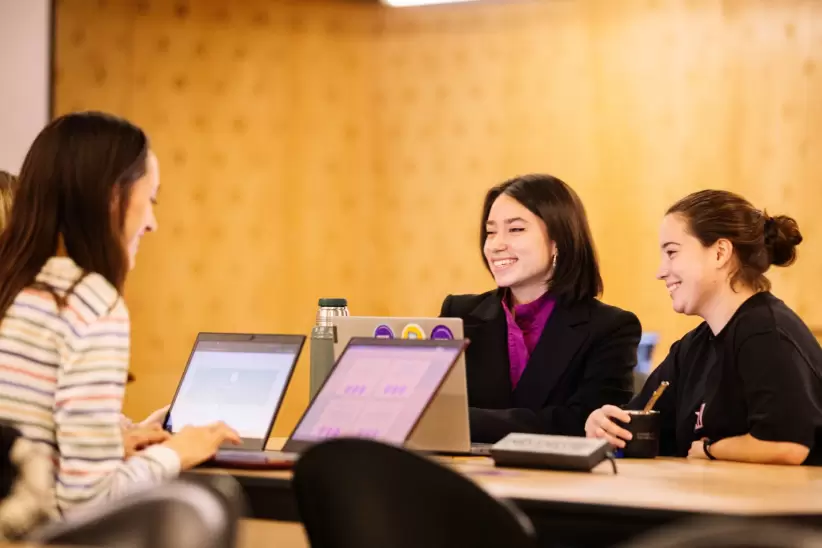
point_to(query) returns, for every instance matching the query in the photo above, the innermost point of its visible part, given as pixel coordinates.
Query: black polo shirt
(761, 375)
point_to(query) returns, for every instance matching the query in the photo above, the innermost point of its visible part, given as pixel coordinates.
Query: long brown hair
(758, 239)
(78, 169)
(8, 183)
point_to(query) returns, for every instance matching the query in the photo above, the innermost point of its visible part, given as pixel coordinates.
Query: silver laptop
(379, 389)
(444, 428)
(239, 379)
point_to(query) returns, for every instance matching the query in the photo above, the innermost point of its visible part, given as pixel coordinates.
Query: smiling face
(518, 249)
(139, 217)
(695, 275)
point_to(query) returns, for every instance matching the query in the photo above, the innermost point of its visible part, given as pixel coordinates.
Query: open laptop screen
(237, 379)
(378, 389)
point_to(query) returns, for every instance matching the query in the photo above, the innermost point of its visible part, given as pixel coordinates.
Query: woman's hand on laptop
(157, 417)
(137, 438)
(196, 444)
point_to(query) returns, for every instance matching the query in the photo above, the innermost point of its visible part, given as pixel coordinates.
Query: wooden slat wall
(319, 148)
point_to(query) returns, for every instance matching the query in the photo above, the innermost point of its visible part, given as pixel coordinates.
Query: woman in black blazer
(544, 352)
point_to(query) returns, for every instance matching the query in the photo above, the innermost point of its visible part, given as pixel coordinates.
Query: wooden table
(675, 485)
(587, 508)
(257, 533)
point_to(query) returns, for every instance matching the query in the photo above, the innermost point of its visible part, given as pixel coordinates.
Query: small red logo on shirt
(699, 414)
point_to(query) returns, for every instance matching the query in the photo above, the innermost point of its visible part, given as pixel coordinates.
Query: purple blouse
(525, 326)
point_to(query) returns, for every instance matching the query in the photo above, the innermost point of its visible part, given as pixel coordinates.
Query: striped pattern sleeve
(88, 398)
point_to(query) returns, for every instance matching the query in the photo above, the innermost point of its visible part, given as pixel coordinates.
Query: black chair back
(180, 514)
(365, 494)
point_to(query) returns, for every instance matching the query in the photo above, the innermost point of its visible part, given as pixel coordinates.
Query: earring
(554, 263)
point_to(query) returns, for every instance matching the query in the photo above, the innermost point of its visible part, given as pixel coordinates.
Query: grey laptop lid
(236, 378)
(444, 426)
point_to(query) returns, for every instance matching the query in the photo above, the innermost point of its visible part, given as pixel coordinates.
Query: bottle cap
(333, 303)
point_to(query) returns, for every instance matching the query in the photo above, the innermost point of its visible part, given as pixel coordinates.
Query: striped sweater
(62, 380)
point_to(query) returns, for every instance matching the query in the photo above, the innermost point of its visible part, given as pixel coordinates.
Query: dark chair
(365, 494)
(639, 381)
(729, 533)
(644, 361)
(26, 483)
(182, 514)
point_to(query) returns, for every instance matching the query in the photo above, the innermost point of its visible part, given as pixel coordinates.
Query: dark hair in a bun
(759, 240)
(781, 238)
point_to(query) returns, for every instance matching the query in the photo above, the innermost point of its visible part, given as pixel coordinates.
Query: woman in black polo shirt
(746, 385)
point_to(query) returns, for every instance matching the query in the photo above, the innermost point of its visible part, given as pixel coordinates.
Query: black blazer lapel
(487, 355)
(561, 338)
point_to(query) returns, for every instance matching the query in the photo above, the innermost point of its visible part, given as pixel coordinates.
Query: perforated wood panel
(316, 149)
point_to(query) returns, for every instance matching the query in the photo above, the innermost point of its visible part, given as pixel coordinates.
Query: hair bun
(781, 238)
